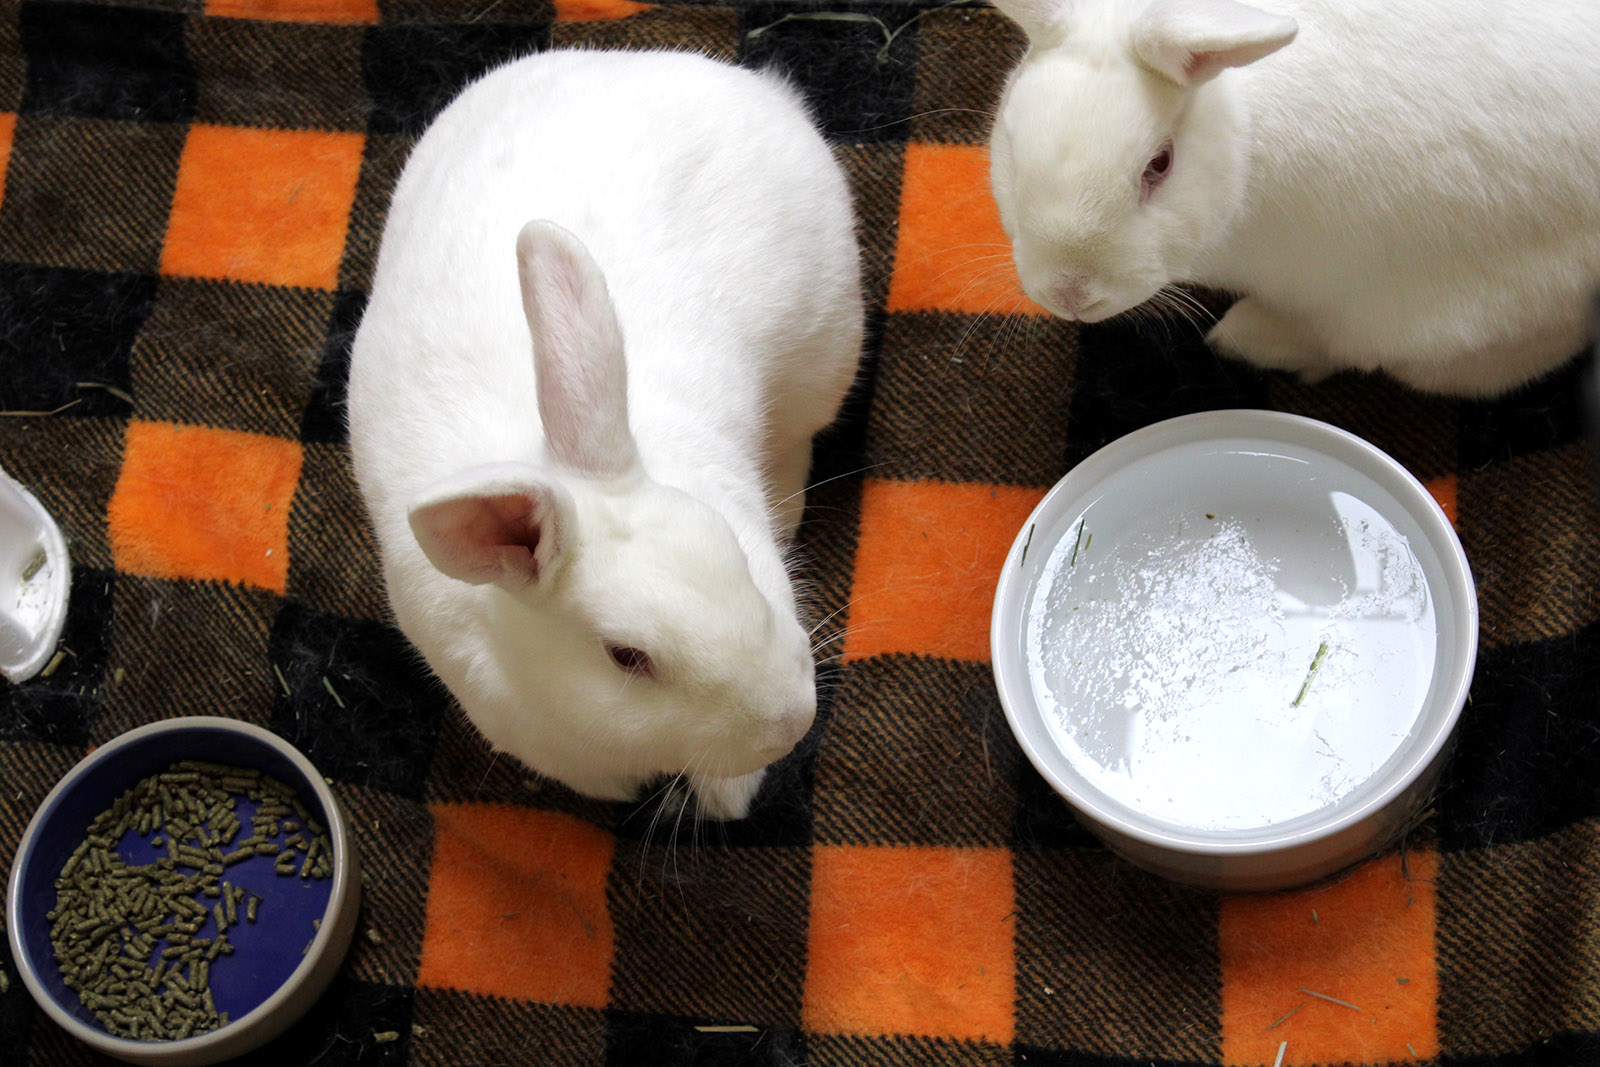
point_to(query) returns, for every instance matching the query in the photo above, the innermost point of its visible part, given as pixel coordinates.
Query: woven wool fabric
(191, 203)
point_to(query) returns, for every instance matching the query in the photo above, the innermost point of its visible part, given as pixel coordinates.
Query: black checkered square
(106, 62)
(355, 698)
(62, 328)
(412, 70)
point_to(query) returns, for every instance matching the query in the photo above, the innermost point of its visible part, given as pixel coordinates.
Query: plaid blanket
(192, 196)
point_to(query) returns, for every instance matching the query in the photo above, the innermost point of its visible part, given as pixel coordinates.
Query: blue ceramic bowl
(282, 962)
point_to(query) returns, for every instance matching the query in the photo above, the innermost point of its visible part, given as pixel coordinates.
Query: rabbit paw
(726, 798)
(1256, 334)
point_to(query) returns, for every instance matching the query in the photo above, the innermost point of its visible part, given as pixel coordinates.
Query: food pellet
(111, 916)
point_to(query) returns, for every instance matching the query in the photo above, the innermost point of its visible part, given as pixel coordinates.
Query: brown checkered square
(825, 547)
(278, 74)
(394, 883)
(709, 932)
(874, 173)
(30, 770)
(53, 1047)
(983, 399)
(13, 66)
(75, 493)
(963, 58)
(187, 648)
(917, 752)
(248, 350)
(1529, 527)
(1113, 961)
(381, 160)
(333, 558)
(831, 1050)
(89, 193)
(1519, 951)
(450, 1028)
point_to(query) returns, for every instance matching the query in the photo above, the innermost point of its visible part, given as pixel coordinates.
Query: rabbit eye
(632, 660)
(1156, 171)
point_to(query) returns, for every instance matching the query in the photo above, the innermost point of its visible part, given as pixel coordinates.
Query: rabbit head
(1116, 158)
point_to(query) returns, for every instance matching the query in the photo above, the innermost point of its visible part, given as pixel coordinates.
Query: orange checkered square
(597, 10)
(346, 12)
(1445, 490)
(199, 502)
(517, 906)
(951, 253)
(929, 557)
(911, 941)
(267, 206)
(8, 133)
(1365, 941)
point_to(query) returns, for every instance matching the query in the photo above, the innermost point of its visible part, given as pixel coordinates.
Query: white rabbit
(1407, 186)
(582, 495)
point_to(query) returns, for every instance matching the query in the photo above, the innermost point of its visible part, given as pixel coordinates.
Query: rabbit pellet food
(127, 936)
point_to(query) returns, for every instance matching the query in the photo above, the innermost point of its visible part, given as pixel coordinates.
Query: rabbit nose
(788, 728)
(1070, 294)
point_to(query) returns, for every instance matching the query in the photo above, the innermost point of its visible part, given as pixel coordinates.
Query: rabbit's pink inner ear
(480, 539)
(1192, 41)
(578, 353)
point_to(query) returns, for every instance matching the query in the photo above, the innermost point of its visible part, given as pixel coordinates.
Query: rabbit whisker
(833, 478)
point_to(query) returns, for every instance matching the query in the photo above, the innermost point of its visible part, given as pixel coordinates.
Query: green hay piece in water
(1025, 545)
(1079, 543)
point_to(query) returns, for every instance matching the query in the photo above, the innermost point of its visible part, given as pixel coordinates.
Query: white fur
(690, 297)
(1407, 186)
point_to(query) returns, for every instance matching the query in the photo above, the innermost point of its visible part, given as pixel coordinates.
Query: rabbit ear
(577, 352)
(498, 523)
(1034, 16)
(1192, 41)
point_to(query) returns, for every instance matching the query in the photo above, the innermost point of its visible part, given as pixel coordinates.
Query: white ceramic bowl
(1237, 643)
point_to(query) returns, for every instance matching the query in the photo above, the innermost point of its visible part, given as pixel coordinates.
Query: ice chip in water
(1170, 659)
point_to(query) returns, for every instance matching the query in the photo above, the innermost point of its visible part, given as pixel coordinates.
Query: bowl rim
(265, 1020)
(1340, 445)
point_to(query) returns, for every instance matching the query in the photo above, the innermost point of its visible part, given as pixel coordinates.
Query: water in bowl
(1172, 636)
